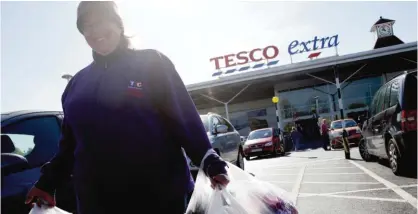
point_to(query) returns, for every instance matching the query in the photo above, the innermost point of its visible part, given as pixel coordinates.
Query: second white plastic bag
(47, 210)
(244, 195)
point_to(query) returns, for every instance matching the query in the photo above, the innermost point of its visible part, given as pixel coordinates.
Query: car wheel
(240, 160)
(364, 152)
(282, 149)
(275, 153)
(395, 159)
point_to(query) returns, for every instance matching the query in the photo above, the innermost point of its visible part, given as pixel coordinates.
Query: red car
(265, 141)
(336, 132)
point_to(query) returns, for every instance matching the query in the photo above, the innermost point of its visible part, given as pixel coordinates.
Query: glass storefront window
(302, 102)
(359, 93)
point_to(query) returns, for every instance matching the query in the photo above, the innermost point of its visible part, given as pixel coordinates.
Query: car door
(276, 137)
(218, 139)
(36, 139)
(379, 122)
(368, 126)
(232, 142)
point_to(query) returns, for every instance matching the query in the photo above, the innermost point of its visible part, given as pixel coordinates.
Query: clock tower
(384, 31)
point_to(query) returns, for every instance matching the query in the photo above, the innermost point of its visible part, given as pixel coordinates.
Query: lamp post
(275, 100)
(67, 77)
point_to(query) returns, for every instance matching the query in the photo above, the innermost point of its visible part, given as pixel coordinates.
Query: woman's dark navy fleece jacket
(127, 115)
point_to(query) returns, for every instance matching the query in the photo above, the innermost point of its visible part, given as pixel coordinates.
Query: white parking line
(406, 196)
(325, 182)
(341, 167)
(359, 197)
(296, 186)
(325, 173)
(276, 174)
(302, 163)
(280, 182)
(336, 173)
(337, 182)
(352, 191)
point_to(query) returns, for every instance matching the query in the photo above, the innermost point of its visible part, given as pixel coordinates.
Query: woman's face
(102, 34)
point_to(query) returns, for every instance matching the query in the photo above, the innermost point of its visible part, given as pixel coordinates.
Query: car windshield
(259, 134)
(205, 121)
(339, 124)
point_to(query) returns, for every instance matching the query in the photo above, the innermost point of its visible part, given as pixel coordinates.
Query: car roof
(211, 113)
(269, 128)
(10, 116)
(342, 120)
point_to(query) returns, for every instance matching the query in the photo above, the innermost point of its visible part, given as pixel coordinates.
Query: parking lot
(324, 182)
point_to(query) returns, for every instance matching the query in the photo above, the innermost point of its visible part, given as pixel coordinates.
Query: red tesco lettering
(245, 57)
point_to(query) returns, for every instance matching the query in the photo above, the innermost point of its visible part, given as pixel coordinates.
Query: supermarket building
(307, 91)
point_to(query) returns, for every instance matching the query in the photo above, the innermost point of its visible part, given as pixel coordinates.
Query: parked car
(224, 138)
(336, 133)
(28, 140)
(243, 139)
(262, 142)
(390, 132)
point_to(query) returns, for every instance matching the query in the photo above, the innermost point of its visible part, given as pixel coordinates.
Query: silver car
(224, 138)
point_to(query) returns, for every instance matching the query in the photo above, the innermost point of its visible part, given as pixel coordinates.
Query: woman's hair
(109, 9)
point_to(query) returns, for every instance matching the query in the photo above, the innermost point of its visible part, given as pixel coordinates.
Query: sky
(40, 41)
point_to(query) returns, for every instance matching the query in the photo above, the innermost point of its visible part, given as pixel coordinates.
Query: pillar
(279, 110)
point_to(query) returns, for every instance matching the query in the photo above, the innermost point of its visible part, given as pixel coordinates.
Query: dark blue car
(28, 140)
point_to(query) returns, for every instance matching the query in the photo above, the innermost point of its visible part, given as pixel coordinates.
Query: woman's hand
(42, 196)
(220, 180)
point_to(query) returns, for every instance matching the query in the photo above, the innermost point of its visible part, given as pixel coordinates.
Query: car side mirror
(221, 129)
(13, 163)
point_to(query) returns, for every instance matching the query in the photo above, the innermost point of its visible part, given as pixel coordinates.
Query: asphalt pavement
(323, 182)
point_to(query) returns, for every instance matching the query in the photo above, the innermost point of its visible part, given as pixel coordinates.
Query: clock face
(384, 30)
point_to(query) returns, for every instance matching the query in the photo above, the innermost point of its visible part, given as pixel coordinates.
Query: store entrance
(310, 131)
(358, 116)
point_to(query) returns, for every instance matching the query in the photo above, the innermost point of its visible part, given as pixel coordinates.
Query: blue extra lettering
(305, 47)
(314, 43)
(333, 41)
(323, 40)
(292, 45)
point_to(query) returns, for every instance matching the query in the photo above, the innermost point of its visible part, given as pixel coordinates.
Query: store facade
(316, 88)
(297, 105)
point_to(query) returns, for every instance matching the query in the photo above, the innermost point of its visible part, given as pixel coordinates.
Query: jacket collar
(110, 58)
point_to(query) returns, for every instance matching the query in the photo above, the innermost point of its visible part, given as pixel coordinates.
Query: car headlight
(268, 144)
(358, 131)
(336, 134)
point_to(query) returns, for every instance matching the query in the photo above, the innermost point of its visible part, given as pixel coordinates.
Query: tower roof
(387, 41)
(381, 21)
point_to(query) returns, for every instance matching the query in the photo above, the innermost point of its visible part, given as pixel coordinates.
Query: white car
(225, 140)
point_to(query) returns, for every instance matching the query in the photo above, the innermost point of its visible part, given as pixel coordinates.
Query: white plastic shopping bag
(47, 210)
(244, 195)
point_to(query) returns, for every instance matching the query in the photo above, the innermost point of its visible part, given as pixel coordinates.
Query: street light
(67, 77)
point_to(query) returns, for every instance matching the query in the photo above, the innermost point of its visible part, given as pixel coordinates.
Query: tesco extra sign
(244, 57)
(272, 52)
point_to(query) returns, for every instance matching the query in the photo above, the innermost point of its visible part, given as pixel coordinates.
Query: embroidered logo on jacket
(135, 88)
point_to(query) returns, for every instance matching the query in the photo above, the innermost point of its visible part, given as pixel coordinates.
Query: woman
(127, 116)
(324, 134)
(296, 137)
